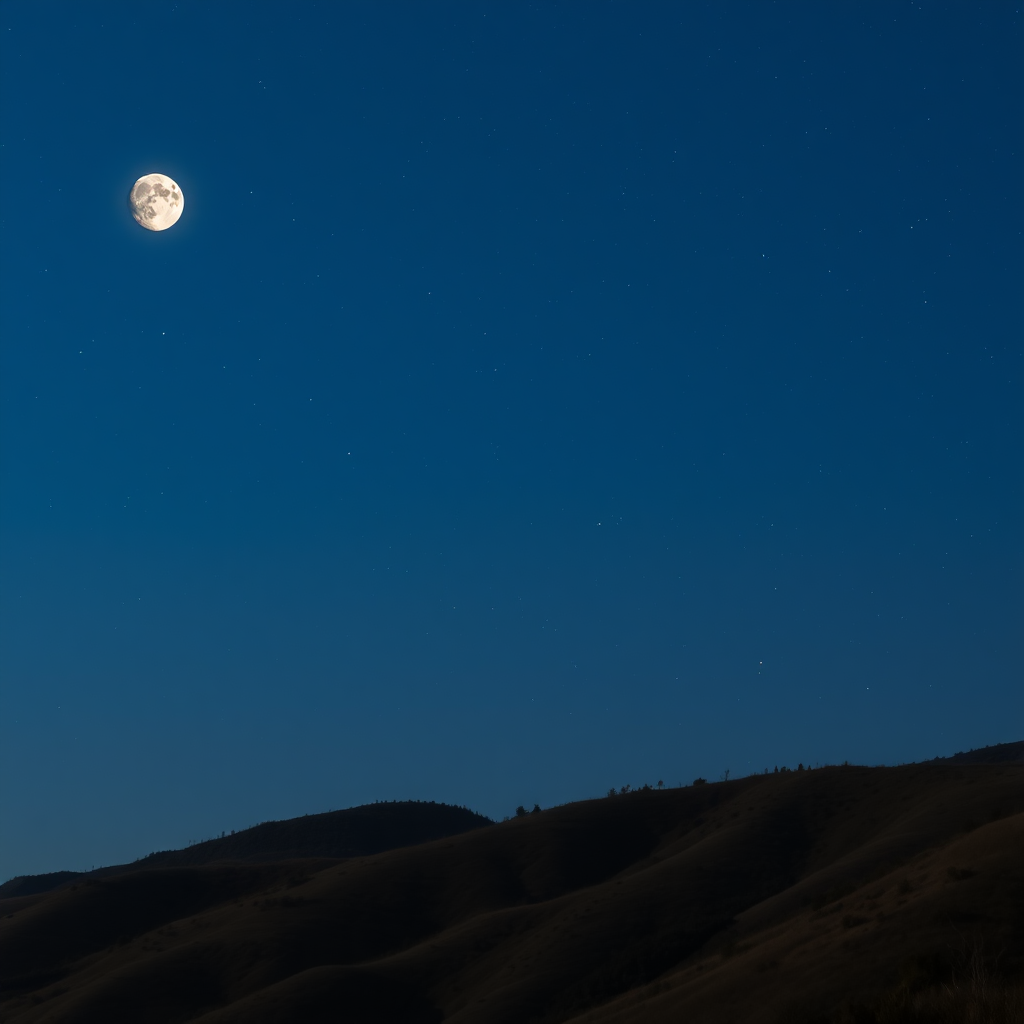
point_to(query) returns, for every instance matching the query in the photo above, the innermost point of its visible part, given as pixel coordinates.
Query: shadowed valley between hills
(838, 894)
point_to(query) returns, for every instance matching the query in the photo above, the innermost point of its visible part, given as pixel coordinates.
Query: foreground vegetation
(835, 895)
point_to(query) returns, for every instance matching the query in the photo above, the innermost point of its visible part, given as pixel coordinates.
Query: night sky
(532, 399)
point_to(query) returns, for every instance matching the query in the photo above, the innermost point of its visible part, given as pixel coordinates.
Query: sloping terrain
(354, 832)
(996, 754)
(948, 911)
(29, 885)
(715, 902)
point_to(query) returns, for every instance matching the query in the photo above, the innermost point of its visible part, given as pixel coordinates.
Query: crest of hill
(999, 753)
(354, 832)
(721, 903)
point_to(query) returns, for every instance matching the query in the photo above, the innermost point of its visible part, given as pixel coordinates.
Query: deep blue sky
(531, 399)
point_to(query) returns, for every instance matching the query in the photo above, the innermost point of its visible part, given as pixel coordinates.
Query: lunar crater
(156, 202)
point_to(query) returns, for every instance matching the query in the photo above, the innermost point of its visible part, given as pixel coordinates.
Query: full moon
(156, 202)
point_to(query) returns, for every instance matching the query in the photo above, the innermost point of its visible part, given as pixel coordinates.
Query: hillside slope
(353, 832)
(715, 902)
(998, 753)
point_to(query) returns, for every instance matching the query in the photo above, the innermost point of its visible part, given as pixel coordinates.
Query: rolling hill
(798, 896)
(354, 832)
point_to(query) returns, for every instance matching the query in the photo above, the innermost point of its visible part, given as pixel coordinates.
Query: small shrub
(520, 811)
(700, 782)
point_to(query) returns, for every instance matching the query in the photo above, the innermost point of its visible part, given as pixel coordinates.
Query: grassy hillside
(796, 896)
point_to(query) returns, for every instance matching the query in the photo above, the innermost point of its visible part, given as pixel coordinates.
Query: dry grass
(974, 994)
(794, 897)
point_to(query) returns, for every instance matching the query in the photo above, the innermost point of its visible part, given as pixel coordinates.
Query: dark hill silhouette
(354, 832)
(780, 897)
(998, 753)
(29, 885)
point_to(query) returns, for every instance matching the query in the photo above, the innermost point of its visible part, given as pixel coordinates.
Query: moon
(156, 202)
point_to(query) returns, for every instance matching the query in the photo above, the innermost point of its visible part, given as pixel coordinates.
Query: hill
(354, 832)
(998, 753)
(798, 896)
